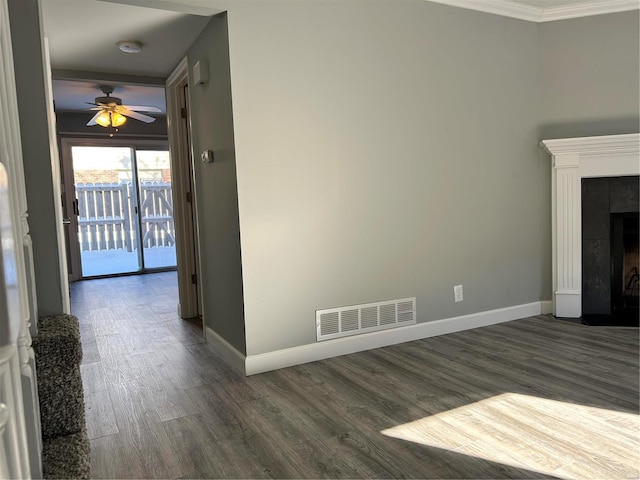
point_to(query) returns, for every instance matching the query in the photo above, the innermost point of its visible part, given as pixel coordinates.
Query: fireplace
(610, 250)
(575, 160)
(625, 272)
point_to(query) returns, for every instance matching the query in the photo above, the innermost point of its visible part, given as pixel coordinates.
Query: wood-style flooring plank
(147, 445)
(109, 458)
(100, 418)
(90, 351)
(532, 398)
(191, 438)
(93, 379)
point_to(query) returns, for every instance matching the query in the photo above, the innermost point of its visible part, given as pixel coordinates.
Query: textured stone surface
(624, 194)
(595, 208)
(596, 278)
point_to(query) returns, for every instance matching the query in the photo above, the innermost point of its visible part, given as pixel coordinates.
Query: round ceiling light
(128, 46)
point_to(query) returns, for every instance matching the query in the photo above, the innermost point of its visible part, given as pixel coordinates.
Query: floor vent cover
(369, 317)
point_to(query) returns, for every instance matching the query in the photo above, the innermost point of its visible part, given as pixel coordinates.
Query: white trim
(589, 9)
(601, 145)
(342, 346)
(574, 159)
(55, 173)
(178, 73)
(546, 307)
(20, 441)
(580, 8)
(235, 358)
(182, 210)
(504, 8)
(191, 7)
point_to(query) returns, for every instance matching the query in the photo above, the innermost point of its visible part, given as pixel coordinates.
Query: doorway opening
(122, 207)
(189, 285)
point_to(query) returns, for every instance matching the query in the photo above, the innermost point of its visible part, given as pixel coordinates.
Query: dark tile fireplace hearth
(610, 261)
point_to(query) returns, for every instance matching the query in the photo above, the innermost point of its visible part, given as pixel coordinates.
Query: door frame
(187, 255)
(69, 196)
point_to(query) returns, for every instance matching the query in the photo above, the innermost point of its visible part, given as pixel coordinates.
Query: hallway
(139, 356)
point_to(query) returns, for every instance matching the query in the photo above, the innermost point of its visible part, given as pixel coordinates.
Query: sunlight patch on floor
(554, 438)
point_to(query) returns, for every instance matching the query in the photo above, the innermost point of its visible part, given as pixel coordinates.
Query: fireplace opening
(625, 265)
(610, 259)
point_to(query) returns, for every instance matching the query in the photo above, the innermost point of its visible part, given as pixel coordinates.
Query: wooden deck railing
(106, 216)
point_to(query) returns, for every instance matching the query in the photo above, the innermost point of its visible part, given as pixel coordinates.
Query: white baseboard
(235, 358)
(288, 357)
(546, 307)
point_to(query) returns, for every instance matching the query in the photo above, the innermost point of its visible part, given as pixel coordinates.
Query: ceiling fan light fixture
(110, 119)
(117, 119)
(130, 46)
(104, 119)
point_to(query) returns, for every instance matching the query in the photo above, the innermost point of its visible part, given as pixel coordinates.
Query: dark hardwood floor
(533, 398)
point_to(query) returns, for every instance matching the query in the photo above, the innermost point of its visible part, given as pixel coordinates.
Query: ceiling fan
(112, 113)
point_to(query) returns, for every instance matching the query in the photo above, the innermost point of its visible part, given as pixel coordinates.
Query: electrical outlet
(457, 293)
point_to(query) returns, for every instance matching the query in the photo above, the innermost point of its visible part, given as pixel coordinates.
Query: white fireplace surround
(574, 159)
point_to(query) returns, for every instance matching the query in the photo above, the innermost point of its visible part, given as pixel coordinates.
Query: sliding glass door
(158, 234)
(123, 209)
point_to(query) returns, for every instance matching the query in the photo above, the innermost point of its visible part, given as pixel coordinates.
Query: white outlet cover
(457, 293)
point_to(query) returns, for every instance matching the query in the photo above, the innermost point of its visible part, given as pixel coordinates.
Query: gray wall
(25, 37)
(590, 76)
(215, 187)
(384, 150)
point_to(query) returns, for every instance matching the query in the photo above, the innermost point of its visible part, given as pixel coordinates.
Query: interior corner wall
(215, 186)
(27, 52)
(590, 76)
(384, 150)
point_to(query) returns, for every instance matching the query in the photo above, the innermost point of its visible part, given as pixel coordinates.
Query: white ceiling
(83, 37)
(71, 95)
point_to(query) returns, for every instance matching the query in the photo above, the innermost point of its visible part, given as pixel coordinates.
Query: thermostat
(201, 72)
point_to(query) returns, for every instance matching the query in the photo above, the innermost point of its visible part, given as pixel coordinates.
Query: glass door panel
(106, 200)
(156, 208)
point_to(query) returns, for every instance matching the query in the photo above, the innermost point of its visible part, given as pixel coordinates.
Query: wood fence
(107, 212)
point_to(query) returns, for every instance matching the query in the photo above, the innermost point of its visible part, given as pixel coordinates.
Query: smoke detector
(129, 46)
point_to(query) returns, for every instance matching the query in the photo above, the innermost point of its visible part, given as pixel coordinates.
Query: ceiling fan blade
(138, 116)
(93, 120)
(142, 108)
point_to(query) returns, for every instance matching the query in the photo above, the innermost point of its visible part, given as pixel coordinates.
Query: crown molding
(505, 8)
(601, 145)
(512, 9)
(190, 7)
(578, 10)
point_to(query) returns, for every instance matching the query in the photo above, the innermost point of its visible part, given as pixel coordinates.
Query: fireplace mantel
(572, 160)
